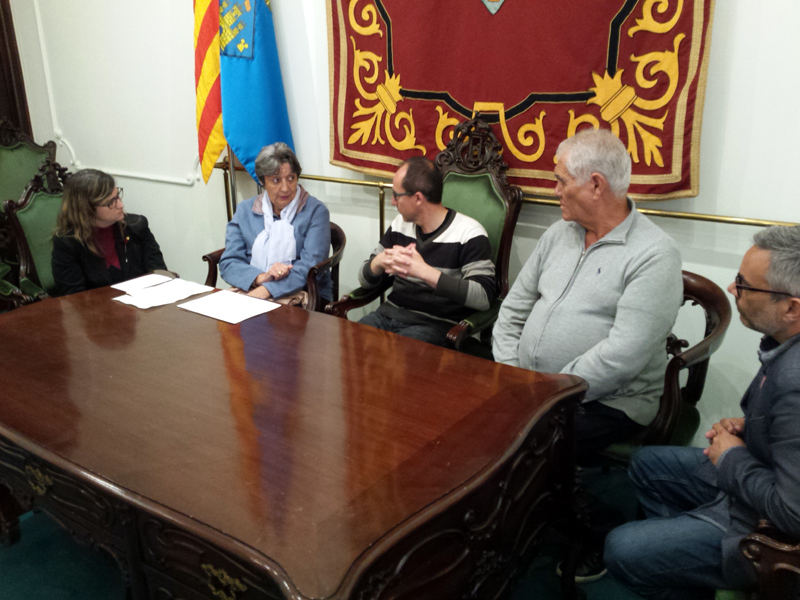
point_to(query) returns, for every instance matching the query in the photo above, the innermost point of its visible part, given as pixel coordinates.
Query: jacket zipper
(564, 293)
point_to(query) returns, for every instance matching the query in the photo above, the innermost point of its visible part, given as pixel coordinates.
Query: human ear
(793, 310)
(599, 183)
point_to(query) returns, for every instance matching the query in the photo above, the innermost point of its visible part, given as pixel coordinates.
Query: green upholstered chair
(33, 221)
(11, 296)
(677, 419)
(315, 303)
(474, 184)
(20, 159)
(731, 595)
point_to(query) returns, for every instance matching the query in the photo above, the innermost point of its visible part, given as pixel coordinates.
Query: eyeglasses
(740, 285)
(395, 195)
(112, 201)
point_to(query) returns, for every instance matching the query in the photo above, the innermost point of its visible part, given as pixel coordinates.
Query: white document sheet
(145, 281)
(229, 306)
(166, 293)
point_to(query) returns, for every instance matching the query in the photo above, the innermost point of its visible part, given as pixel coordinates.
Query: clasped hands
(723, 435)
(406, 261)
(276, 272)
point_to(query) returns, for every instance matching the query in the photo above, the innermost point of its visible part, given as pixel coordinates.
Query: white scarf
(276, 244)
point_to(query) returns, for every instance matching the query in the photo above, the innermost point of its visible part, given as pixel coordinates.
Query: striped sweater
(460, 249)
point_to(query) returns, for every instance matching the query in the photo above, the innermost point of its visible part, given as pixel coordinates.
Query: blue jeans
(431, 331)
(670, 555)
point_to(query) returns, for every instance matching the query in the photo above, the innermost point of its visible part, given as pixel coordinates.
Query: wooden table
(295, 455)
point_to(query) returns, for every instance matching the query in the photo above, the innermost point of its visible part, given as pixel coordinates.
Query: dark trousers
(601, 426)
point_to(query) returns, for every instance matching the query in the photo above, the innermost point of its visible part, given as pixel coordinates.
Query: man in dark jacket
(701, 503)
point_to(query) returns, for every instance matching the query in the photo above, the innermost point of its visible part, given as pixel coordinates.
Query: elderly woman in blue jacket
(277, 236)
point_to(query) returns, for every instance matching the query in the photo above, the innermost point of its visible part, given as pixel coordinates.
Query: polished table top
(302, 435)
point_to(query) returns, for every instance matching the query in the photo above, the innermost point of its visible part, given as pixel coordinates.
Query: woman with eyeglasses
(96, 243)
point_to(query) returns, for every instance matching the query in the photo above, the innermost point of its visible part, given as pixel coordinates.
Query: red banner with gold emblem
(404, 73)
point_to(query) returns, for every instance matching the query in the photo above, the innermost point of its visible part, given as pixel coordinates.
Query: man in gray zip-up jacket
(598, 296)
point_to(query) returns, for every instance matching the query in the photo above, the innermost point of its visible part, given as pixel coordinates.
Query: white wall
(114, 83)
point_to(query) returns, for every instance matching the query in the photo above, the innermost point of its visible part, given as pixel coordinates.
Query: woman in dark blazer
(96, 243)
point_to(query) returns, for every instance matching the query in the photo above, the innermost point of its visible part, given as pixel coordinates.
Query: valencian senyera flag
(238, 81)
(403, 74)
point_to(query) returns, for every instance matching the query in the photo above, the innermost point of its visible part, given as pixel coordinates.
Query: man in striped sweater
(440, 260)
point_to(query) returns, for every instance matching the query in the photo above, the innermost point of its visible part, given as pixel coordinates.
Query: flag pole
(232, 168)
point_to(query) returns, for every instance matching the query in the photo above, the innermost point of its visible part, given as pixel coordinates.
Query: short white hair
(597, 151)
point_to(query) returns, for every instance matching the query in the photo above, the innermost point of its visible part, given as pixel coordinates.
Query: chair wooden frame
(10, 138)
(50, 180)
(699, 291)
(474, 150)
(315, 304)
(776, 559)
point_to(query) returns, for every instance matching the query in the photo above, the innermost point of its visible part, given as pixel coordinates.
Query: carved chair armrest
(768, 528)
(29, 288)
(776, 559)
(701, 351)
(212, 258)
(475, 323)
(12, 297)
(312, 285)
(338, 241)
(673, 399)
(357, 298)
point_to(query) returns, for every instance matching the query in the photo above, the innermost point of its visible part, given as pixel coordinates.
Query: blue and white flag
(253, 103)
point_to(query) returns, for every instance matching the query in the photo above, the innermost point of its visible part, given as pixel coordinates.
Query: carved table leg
(577, 530)
(10, 510)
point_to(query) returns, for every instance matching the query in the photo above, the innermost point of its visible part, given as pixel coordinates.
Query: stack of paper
(229, 306)
(157, 290)
(140, 283)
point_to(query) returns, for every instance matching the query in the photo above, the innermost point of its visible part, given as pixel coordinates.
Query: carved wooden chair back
(338, 242)
(677, 419)
(475, 184)
(33, 221)
(20, 159)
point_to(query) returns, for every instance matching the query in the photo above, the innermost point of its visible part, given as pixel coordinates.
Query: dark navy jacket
(76, 268)
(762, 479)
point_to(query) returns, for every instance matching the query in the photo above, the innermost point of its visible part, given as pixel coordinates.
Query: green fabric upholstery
(30, 288)
(18, 165)
(467, 194)
(481, 319)
(731, 595)
(38, 220)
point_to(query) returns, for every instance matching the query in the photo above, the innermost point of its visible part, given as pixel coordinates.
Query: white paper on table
(140, 283)
(229, 306)
(165, 293)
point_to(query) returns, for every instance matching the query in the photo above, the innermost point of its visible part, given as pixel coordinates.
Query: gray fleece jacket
(603, 314)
